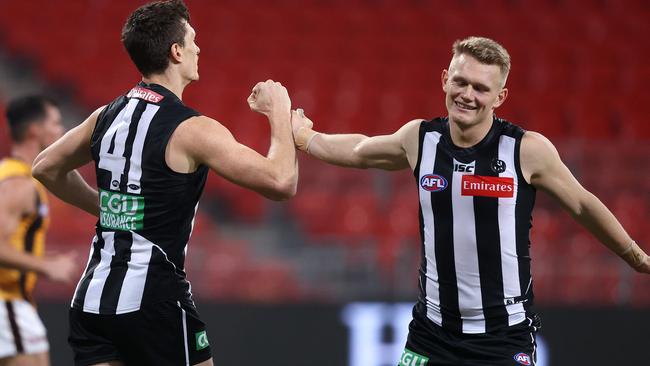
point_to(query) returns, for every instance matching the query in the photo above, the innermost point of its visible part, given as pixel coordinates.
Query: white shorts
(21, 330)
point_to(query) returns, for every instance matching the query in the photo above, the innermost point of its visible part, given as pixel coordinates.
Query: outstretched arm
(388, 152)
(17, 199)
(203, 140)
(55, 167)
(543, 168)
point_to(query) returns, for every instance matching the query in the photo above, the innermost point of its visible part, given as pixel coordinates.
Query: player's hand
(299, 120)
(269, 97)
(302, 132)
(62, 267)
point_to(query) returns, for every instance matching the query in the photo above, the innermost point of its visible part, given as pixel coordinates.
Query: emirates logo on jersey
(145, 94)
(477, 185)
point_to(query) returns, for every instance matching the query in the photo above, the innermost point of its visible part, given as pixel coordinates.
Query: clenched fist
(269, 97)
(302, 129)
(62, 267)
(299, 120)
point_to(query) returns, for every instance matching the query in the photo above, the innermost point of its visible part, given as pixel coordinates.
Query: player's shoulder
(537, 149)
(412, 125)
(196, 129)
(410, 131)
(199, 123)
(535, 140)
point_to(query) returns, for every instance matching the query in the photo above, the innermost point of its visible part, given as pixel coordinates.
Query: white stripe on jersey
(196, 208)
(90, 255)
(507, 233)
(432, 285)
(96, 286)
(136, 275)
(135, 170)
(184, 316)
(470, 302)
(114, 162)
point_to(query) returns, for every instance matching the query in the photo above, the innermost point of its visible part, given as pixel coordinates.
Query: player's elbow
(358, 158)
(42, 170)
(285, 188)
(586, 205)
(39, 170)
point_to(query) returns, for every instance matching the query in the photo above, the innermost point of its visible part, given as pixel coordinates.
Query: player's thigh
(23, 339)
(205, 363)
(167, 333)
(35, 359)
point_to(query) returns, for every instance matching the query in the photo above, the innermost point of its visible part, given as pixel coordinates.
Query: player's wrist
(279, 114)
(42, 267)
(304, 137)
(634, 255)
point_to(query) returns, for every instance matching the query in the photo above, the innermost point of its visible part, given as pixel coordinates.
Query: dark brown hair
(23, 111)
(151, 30)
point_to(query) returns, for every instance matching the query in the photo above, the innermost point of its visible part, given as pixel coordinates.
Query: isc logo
(522, 358)
(433, 183)
(464, 168)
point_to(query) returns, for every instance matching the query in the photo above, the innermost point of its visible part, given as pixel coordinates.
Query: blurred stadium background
(277, 278)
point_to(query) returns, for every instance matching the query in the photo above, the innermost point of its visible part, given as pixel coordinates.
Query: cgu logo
(522, 358)
(433, 183)
(412, 359)
(119, 203)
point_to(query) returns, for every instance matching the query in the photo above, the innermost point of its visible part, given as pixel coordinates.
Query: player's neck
(469, 135)
(171, 81)
(26, 151)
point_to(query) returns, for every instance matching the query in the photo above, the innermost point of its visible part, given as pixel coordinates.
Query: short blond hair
(486, 51)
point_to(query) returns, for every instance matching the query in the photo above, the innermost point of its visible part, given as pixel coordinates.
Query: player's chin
(461, 116)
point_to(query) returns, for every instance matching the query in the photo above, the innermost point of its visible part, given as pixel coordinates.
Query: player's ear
(175, 52)
(503, 94)
(443, 78)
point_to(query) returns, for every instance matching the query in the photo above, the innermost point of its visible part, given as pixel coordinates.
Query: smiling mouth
(465, 106)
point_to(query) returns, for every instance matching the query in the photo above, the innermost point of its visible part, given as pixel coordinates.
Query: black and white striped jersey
(146, 209)
(475, 219)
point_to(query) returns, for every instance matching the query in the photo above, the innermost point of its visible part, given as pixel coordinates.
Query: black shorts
(165, 333)
(430, 345)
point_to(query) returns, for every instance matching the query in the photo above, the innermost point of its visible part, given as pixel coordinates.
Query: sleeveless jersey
(29, 236)
(475, 219)
(146, 209)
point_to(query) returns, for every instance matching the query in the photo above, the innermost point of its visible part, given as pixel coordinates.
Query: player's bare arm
(389, 152)
(202, 140)
(17, 200)
(55, 167)
(543, 168)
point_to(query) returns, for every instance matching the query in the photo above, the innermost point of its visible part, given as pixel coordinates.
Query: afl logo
(523, 359)
(433, 183)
